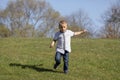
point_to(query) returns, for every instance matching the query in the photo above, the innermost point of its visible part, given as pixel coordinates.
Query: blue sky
(94, 8)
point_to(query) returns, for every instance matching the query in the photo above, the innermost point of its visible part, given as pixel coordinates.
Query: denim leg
(57, 59)
(66, 59)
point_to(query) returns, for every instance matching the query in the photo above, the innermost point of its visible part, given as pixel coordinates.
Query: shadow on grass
(34, 67)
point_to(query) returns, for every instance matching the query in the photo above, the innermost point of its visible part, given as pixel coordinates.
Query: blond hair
(62, 22)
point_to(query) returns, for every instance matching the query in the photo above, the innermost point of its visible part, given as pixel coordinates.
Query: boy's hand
(84, 30)
(52, 44)
(80, 32)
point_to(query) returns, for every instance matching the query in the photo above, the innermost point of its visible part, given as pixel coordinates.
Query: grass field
(32, 59)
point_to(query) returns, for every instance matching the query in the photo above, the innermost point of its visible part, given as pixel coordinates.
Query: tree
(4, 32)
(78, 21)
(25, 17)
(111, 20)
(50, 23)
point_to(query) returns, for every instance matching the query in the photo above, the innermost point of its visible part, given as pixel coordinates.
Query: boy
(63, 48)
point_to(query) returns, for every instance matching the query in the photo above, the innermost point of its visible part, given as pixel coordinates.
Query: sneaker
(55, 66)
(66, 72)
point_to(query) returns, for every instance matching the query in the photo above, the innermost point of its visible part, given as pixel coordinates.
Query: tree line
(37, 18)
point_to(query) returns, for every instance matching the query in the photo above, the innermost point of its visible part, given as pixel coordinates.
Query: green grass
(32, 59)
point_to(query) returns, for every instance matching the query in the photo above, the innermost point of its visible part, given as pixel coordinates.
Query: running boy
(63, 48)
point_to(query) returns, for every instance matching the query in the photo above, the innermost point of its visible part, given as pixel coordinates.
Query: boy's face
(63, 27)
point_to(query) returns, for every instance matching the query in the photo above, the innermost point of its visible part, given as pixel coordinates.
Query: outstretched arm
(80, 32)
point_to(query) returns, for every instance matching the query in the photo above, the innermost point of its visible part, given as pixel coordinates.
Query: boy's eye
(63, 27)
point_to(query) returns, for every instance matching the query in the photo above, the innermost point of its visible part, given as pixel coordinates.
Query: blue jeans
(65, 59)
